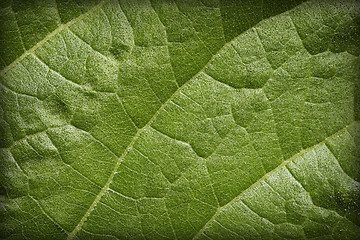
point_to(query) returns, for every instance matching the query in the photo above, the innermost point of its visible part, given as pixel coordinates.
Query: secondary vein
(49, 36)
(283, 164)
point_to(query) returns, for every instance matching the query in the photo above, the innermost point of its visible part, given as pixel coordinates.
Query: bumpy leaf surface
(174, 119)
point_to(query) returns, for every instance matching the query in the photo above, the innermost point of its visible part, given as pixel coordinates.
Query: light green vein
(140, 130)
(278, 168)
(49, 36)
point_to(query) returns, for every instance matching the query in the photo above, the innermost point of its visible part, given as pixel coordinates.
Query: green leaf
(180, 119)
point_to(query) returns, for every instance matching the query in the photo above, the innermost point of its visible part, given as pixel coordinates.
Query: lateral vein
(283, 164)
(49, 36)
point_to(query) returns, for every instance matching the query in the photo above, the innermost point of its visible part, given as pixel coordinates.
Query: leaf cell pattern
(179, 119)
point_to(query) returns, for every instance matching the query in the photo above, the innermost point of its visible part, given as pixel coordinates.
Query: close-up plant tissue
(179, 119)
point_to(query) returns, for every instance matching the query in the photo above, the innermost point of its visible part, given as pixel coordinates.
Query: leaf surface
(180, 119)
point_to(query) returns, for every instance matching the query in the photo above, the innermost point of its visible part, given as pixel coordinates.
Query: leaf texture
(179, 119)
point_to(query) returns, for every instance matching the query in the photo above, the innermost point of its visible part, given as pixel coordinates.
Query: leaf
(180, 119)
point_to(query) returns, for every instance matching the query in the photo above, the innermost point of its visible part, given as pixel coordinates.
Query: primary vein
(140, 130)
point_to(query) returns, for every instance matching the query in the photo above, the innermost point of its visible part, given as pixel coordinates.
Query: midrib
(103, 190)
(49, 36)
(129, 147)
